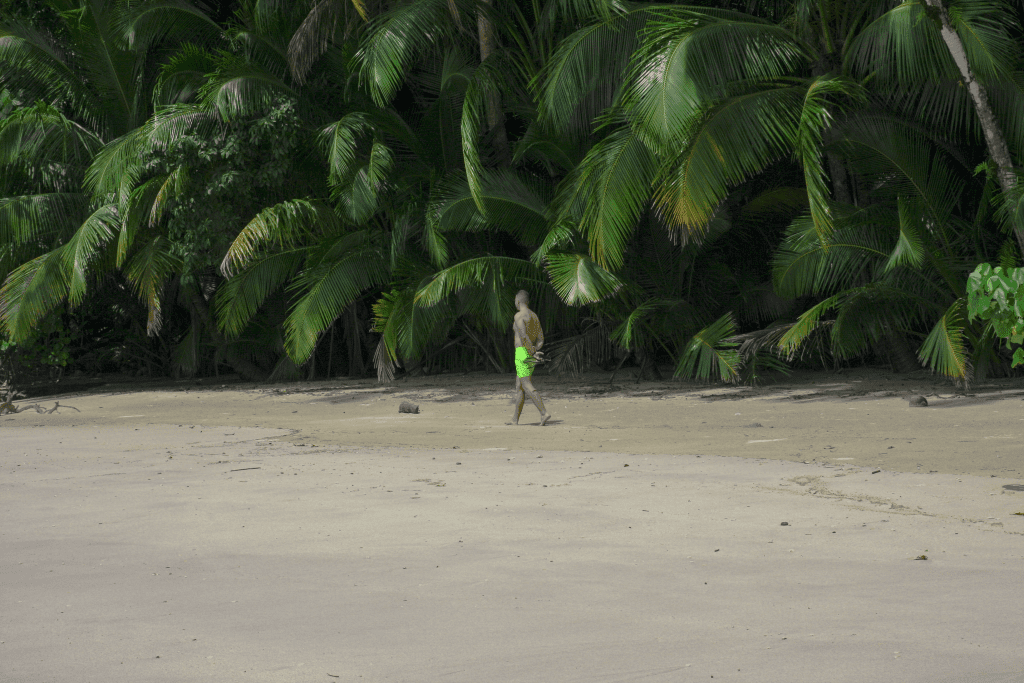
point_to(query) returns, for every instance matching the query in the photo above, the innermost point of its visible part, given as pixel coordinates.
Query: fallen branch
(10, 408)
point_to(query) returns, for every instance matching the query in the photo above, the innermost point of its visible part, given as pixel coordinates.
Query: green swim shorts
(523, 369)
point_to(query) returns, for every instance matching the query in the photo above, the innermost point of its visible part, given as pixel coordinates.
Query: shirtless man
(529, 340)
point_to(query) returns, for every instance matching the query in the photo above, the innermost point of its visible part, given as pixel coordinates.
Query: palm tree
(230, 134)
(715, 98)
(83, 84)
(449, 183)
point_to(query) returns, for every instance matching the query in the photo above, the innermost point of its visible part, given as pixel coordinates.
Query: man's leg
(526, 385)
(520, 401)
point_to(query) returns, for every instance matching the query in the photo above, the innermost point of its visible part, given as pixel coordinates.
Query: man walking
(529, 339)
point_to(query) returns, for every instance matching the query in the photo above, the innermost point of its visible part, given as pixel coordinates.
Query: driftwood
(10, 408)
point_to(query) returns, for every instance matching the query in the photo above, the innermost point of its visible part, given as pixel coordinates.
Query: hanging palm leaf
(710, 354)
(579, 280)
(492, 272)
(944, 350)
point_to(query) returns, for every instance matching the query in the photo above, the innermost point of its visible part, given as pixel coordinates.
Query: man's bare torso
(526, 327)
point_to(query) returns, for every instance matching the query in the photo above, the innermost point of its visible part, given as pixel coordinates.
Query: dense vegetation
(322, 187)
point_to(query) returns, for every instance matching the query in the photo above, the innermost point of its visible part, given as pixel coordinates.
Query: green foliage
(996, 295)
(710, 354)
(47, 350)
(799, 173)
(46, 353)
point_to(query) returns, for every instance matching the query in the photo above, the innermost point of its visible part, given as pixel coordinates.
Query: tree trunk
(239, 364)
(353, 335)
(895, 347)
(998, 150)
(495, 117)
(840, 184)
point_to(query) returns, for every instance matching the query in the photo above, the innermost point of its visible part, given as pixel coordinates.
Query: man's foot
(514, 423)
(544, 419)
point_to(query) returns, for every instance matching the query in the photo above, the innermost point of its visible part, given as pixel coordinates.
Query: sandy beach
(816, 529)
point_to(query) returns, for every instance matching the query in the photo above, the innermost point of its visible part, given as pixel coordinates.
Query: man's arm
(540, 336)
(520, 328)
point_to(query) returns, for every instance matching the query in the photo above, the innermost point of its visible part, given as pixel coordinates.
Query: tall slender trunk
(241, 365)
(495, 116)
(840, 180)
(353, 336)
(998, 150)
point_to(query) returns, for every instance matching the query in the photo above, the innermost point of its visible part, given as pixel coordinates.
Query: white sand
(143, 540)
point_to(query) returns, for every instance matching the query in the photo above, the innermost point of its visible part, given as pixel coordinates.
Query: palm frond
(988, 31)
(138, 215)
(943, 106)
(241, 88)
(563, 236)
(656, 323)
(175, 121)
(40, 217)
(317, 31)
(1010, 206)
(32, 290)
(944, 350)
(816, 118)
(1007, 99)
(759, 350)
(710, 353)
(735, 140)
(906, 161)
(572, 355)
(384, 362)
(903, 46)
(393, 39)
(109, 67)
(81, 250)
(804, 264)
(283, 225)
(341, 142)
(690, 57)
(512, 203)
(173, 188)
(406, 329)
(183, 75)
(241, 296)
(154, 21)
(607, 192)
(118, 167)
(807, 325)
(582, 77)
(325, 290)
(41, 136)
(492, 273)
(557, 153)
(360, 197)
(485, 85)
(148, 271)
(38, 64)
(575, 12)
(579, 280)
(910, 249)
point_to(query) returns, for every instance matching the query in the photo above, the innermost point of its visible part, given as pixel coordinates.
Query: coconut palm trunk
(495, 117)
(246, 369)
(998, 150)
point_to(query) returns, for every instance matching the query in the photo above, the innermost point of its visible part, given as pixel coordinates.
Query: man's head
(522, 298)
